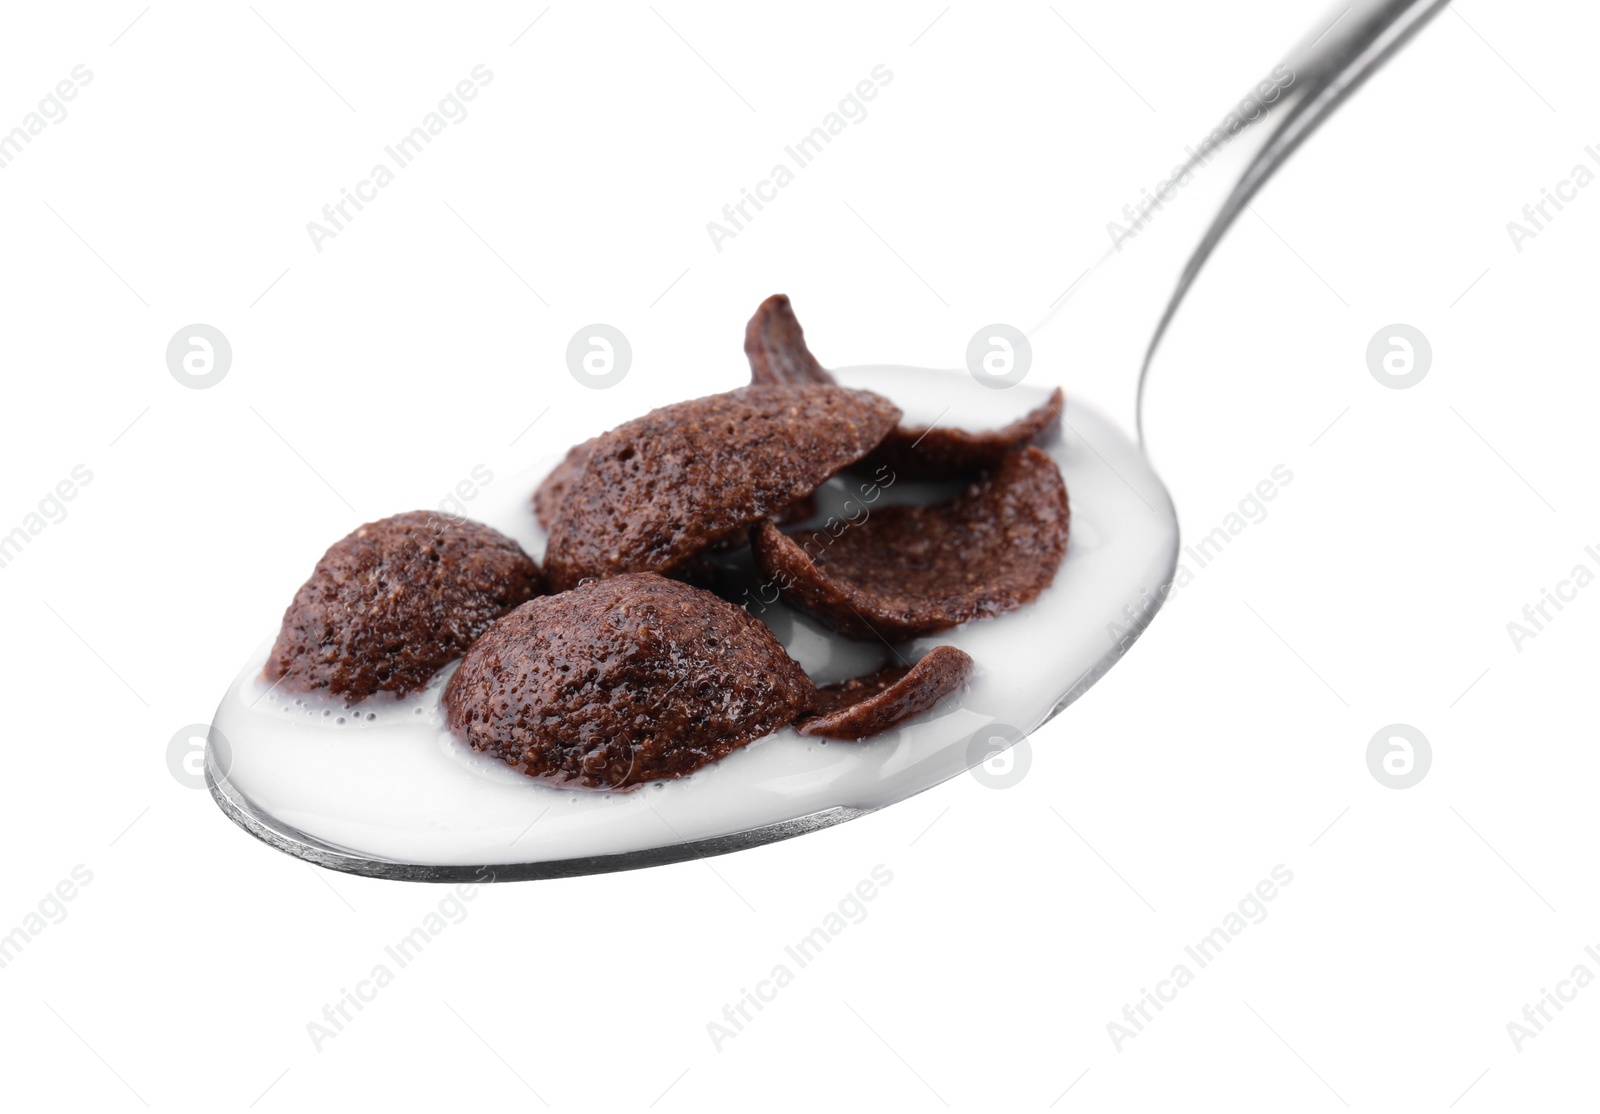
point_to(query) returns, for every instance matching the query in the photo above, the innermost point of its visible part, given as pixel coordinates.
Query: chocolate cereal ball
(394, 602)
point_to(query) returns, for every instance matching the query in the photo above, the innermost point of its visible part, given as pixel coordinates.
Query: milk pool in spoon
(380, 787)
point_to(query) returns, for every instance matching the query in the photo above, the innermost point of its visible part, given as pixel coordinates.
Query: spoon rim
(244, 812)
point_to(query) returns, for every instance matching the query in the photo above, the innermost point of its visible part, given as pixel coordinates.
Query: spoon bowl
(381, 788)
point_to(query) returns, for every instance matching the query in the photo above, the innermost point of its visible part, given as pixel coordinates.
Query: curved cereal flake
(776, 346)
(659, 489)
(940, 453)
(870, 705)
(623, 681)
(395, 601)
(908, 571)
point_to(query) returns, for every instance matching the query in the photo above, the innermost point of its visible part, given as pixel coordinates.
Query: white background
(370, 377)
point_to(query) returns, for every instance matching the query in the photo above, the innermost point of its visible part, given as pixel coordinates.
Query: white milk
(384, 779)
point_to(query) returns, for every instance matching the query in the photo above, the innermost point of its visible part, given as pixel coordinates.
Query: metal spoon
(1327, 69)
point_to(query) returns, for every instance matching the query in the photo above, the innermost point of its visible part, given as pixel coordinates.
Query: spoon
(380, 789)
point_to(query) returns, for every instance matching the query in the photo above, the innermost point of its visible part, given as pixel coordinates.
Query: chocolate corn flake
(776, 346)
(906, 571)
(623, 681)
(659, 489)
(870, 705)
(395, 601)
(552, 490)
(942, 453)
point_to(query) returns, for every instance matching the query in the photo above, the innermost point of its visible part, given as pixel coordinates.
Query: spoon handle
(1328, 71)
(1142, 279)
